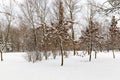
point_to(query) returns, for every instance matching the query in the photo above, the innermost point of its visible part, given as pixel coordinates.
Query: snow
(15, 67)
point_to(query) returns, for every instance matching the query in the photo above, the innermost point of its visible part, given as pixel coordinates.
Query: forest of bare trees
(44, 28)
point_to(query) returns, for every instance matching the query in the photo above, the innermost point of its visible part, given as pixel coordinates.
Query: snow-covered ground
(15, 67)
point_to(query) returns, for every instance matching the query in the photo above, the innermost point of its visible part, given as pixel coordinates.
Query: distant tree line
(43, 31)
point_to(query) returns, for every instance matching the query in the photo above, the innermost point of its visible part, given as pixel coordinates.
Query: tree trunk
(46, 55)
(74, 52)
(90, 57)
(62, 54)
(73, 37)
(113, 54)
(29, 57)
(35, 43)
(62, 57)
(90, 52)
(1, 55)
(95, 54)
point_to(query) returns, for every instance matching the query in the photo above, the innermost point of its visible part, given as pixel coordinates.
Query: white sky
(82, 2)
(7, 1)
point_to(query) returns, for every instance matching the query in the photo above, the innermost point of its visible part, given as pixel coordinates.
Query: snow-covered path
(15, 67)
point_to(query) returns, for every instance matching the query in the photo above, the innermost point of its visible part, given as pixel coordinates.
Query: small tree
(72, 8)
(8, 15)
(91, 38)
(113, 35)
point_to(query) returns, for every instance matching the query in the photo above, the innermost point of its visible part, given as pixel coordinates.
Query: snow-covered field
(15, 67)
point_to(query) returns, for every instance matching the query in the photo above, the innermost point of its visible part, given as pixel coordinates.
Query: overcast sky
(82, 2)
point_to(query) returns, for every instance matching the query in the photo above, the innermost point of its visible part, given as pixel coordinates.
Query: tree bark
(1, 55)
(62, 54)
(90, 57)
(113, 54)
(95, 54)
(73, 40)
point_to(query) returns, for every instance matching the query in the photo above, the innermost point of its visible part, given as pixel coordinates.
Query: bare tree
(14, 40)
(113, 33)
(113, 7)
(60, 27)
(72, 8)
(91, 36)
(23, 35)
(91, 39)
(35, 13)
(1, 41)
(8, 12)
